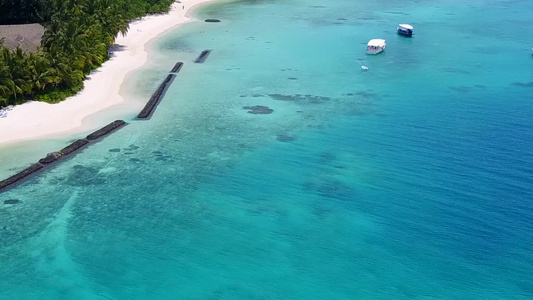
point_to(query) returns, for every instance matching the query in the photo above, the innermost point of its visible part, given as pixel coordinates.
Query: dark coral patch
(366, 94)
(331, 188)
(258, 110)
(285, 138)
(84, 176)
(131, 147)
(462, 89)
(524, 84)
(12, 201)
(298, 98)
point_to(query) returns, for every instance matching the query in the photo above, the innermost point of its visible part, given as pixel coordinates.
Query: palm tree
(7, 86)
(40, 72)
(14, 61)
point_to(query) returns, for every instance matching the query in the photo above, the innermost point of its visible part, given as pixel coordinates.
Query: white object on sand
(364, 68)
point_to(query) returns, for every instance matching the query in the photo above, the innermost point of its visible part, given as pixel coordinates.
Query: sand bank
(37, 120)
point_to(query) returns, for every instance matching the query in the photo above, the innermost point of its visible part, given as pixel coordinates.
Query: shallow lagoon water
(408, 181)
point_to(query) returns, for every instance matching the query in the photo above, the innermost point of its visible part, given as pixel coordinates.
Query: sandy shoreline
(38, 120)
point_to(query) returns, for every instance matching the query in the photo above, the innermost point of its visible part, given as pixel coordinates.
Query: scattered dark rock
(292, 78)
(257, 95)
(50, 158)
(135, 160)
(84, 176)
(212, 20)
(131, 147)
(258, 110)
(285, 138)
(114, 150)
(12, 201)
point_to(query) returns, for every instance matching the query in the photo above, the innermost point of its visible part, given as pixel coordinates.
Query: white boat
(375, 46)
(405, 30)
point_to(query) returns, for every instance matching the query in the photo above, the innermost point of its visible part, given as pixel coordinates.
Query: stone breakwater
(203, 56)
(177, 67)
(150, 106)
(54, 157)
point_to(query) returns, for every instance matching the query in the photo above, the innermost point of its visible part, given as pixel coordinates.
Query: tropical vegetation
(77, 36)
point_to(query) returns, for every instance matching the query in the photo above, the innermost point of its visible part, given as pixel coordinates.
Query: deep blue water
(411, 180)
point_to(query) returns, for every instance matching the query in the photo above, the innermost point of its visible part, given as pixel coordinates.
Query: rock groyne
(150, 106)
(52, 158)
(203, 56)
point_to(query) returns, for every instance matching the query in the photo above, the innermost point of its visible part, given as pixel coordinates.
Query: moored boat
(405, 30)
(375, 46)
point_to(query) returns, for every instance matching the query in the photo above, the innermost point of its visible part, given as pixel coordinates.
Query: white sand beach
(37, 120)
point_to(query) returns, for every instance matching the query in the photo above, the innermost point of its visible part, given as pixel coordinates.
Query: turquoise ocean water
(412, 180)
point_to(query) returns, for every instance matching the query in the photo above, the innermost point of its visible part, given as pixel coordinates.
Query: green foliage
(78, 34)
(55, 95)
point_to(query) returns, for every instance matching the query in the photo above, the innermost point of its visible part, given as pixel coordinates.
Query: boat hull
(374, 52)
(405, 32)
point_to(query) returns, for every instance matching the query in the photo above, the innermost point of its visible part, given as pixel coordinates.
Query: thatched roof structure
(27, 36)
